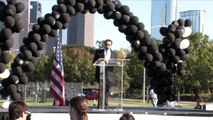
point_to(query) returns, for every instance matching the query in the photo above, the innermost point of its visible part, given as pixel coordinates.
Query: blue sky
(104, 28)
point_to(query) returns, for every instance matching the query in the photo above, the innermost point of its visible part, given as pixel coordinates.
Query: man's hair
(107, 41)
(16, 109)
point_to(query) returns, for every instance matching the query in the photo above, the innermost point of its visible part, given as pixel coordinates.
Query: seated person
(78, 108)
(200, 104)
(127, 116)
(18, 111)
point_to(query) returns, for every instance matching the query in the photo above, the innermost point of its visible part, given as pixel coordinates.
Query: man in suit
(107, 54)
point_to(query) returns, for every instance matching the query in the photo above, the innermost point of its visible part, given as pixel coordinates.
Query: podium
(105, 67)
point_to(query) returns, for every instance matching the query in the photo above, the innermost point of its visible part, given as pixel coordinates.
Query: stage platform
(140, 113)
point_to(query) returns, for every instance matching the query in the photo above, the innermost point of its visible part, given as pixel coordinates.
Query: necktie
(107, 57)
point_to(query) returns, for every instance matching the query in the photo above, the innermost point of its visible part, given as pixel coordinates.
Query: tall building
(163, 13)
(197, 17)
(25, 20)
(35, 11)
(81, 30)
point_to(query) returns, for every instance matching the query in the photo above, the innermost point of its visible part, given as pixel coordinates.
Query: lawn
(115, 102)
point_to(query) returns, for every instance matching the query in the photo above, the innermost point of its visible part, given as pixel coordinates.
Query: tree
(78, 64)
(199, 66)
(135, 72)
(43, 69)
(77, 61)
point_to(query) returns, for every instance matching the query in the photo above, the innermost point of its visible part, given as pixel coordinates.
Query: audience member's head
(127, 116)
(18, 110)
(78, 108)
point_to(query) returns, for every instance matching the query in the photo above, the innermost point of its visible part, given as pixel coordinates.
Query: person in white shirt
(153, 97)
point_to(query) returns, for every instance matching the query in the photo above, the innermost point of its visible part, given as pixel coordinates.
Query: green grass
(114, 102)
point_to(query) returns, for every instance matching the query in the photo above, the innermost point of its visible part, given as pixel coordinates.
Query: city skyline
(142, 9)
(163, 13)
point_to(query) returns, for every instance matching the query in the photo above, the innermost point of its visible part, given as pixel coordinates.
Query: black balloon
(171, 52)
(70, 2)
(9, 21)
(171, 28)
(188, 23)
(140, 34)
(18, 71)
(71, 11)
(6, 33)
(6, 57)
(163, 31)
(18, 61)
(79, 7)
(181, 22)
(11, 1)
(8, 44)
(35, 37)
(58, 25)
(27, 55)
(124, 9)
(12, 88)
(132, 29)
(44, 37)
(122, 28)
(40, 45)
(16, 17)
(148, 57)
(157, 64)
(134, 20)
(14, 79)
(125, 19)
(36, 28)
(2, 67)
(110, 6)
(50, 20)
(16, 96)
(23, 79)
(99, 3)
(116, 23)
(140, 26)
(41, 20)
(19, 7)
(62, 8)
(55, 14)
(53, 33)
(108, 15)
(65, 18)
(18, 27)
(10, 9)
(34, 60)
(28, 66)
(116, 15)
(143, 49)
(45, 29)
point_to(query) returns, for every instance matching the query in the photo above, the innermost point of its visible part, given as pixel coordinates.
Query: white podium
(104, 68)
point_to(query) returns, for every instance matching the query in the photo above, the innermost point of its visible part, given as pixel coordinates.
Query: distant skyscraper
(81, 30)
(197, 17)
(163, 13)
(25, 20)
(35, 11)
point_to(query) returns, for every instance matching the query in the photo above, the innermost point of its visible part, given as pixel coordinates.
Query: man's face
(108, 45)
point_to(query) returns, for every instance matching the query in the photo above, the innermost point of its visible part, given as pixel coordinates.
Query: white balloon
(5, 74)
(184, 44)
(187, 31)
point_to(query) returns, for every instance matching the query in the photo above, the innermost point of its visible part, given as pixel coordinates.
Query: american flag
(57, 78)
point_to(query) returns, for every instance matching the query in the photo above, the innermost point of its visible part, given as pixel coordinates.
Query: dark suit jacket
(100, 54)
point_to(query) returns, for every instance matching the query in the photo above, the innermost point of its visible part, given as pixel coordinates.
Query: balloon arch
(161, 61)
